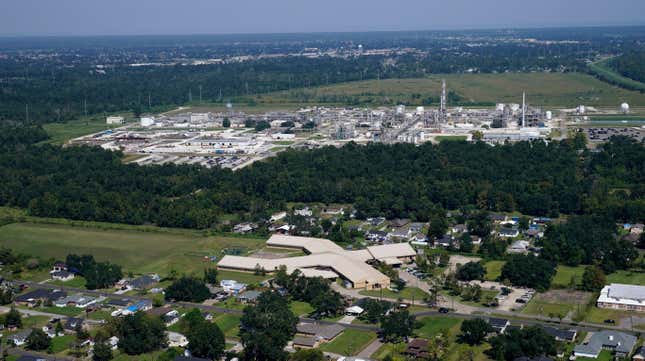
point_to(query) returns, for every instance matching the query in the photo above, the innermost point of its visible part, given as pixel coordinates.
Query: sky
(150, 17)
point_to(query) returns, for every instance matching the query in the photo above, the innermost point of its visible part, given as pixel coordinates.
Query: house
(354, 311)
(497, 218)
(19, 338)
(399, 234)
(304, 212)
(459, 229)
(320, 332)
(78, 300)
(398, 223)
(232, 287)
(560, 334)
(243, 228)
(72, 323)
(508, 232)
(333, 211)
(376, 221)
(534, 233)
(58, 266)
(376, 236)
(118, 302)
(39, 296)
(518, 247)
(176, 339)
(417, 348)
(621, 344)
(305, 342)
(498, 325)
(277, 216)
(445, 241)
(113, 342)
(416, 227)
(622, 297)
(144, 282)
(142, 305)
(62, 276)
(639, 355)
(249, 297)
(637, 228)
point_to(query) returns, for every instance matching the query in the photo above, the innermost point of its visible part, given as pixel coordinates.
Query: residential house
(118, 302)
(398, 223)
(248, 297)
(620, 343)
(376, 221)
(39, 296)
(19, 338)
(144, 282)
(142, 305)
(497, 218)
(639, 355)
(244, 228)
(459, 229)
(416, 227)
(508, 232)
(637, 228)
(72, 323)
(376, 236)
(498, 325)
(304, 212)
(176, 339)
(77, 300)
(417, 348)
(34, 358)
(560, 334)
(518, 247)
(333, 211)
(58, 266)
(446, 241)
(232, 287)
(321, 333)
(62, 276)
(277, 216)
(113, 342)
(305, 342)
(354, 311)
(399, 234)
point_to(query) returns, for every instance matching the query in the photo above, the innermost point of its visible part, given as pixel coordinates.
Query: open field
(603, 71)
(493, 270)
(549, 89)
(564, 275)
(629, 277)
(557, 303)
(59, 133)
(408, 293)
(135, 251)
(350, 342)
(433, 325)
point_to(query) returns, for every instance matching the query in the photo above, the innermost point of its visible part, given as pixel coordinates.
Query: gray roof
(633, 292)
(559, 333)
(621, 342)
(250, 295)
(305, 341)
(326, 332)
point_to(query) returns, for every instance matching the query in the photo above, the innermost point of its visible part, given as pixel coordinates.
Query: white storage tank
(147, 121)
(581, 109)
(549, 115)
(420, 110)
(499, 107)
(624, 108)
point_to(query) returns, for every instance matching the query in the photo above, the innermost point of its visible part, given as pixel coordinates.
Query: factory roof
(392, 250)
(309, 244)
(623, 294)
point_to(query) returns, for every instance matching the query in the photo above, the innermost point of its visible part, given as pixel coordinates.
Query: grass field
(135, 251)
(629, 277)
(605, 355)
(537, 307)
(350, 342)
(564, 274)
(493, 269)
(603, 71)
(408, 293)
(59, 133)
(76, 282)
(229, 324)
(599, 315)
(60, 344)
(433, 325)
(300, 308)
(548, 89)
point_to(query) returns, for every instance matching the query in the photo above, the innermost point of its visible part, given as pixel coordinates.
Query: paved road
(370, 349)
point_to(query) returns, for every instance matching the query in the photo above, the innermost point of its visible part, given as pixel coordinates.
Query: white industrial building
(327, 259)
(622, 297)
(114, 120)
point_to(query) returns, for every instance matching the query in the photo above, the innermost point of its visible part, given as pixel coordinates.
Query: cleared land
(493, 270)
(350, 342)
(565, 274)
(135, 251)
(408, 293)
(549, 89)
(557, 303)
(59, 133)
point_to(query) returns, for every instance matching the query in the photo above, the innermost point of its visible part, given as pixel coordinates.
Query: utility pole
(149, 101)
(85, 107)
(523, 109)
(27, 113)
(200, 93)
(190, 95)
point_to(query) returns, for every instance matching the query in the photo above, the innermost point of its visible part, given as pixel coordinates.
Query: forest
(631, 65)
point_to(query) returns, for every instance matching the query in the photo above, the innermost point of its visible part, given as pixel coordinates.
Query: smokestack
(523, 109)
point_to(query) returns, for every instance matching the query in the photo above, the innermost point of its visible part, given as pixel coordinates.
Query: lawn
(548, 89)
(494, 269)
(76, 282)
(153, 356)
(486, 295)
(408, 293)
(243, 277)
(563, 276)
(229, 324)
(599, 315)
(629, 277)
(432, 325)
(59, 133)
(604, 355)
(65, 311)
(157, 250)
(300, 308)
(538, 307)
(350, 342)
(60, 344)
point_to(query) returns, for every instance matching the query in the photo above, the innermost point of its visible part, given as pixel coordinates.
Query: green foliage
(307, 355)
(187, 289)
(102, 351)
(397, 325)
(266, 328)
(593, 279)
(13, 318)
(529, 271)
(139, 333)
(206, 340)
(210, 275)
(37, 340)
(471, 271)
(473, 332)
(373, 310)
(96, 274)
(531, 341)
(438, 225)
(313, 290)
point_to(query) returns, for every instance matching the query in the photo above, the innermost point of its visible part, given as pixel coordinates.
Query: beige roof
(309, 244)
(391, 261)
(392, 250)
(324, 257)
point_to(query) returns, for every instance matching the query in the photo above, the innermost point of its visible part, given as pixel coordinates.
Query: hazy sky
(100, 17)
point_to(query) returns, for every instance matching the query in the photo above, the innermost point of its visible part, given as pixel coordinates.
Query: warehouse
(326, 259)
(622, 297)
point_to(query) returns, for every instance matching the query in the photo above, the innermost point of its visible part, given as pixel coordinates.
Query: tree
(38, 340)
(530, 342)
(59, 328)
(466, 243)
(226, 123)
(471, 293)
(189, 289)
(327, 303)
(307, 355)
(480, 225)
(397, 326)
(266, 328)
(399, 284)
(523, 223)
(139, 333)
(473, 332)
(210, 275)
(13, 318)
(206, 340)
(438, 225)
(471, 271)
(374, 309)
(593, 279)
(529, 271)
(102, 351)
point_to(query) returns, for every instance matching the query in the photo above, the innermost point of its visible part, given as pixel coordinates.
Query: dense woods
(631, 65)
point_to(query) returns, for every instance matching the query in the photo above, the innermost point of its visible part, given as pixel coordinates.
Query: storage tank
(581, 109)
(624, 108)
(500, 107)
(400, 109)
(549, 115)
(420, 110)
